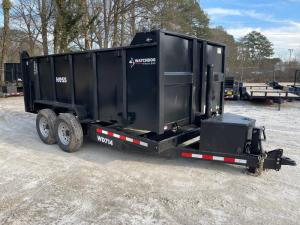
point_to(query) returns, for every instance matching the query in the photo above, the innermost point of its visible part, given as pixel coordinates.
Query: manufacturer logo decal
(105, 140)
(61, 80)
(142, 61)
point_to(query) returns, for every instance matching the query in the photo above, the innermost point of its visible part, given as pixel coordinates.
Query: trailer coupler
(274, 160)
(268, 160)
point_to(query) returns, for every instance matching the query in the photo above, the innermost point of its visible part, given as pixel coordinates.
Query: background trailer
(293, 87)
(158, 95)
(13, 85)
(13, 72)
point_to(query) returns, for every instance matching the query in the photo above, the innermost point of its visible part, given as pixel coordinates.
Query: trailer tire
(69, 133)
(45, 122)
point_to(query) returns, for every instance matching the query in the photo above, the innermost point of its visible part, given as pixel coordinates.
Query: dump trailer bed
(154, 84)
(161, 94)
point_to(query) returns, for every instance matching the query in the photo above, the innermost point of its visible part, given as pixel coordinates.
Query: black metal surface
(144, 37)
(209, 91)
(256, 147)
(121, 144)
(12, 72)
(109, 85)
(142, 89)
(155, 84)
(226, 133)
(275, 160)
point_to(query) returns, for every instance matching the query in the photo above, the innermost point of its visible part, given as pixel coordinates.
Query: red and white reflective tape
(215, 158)
(121, 137)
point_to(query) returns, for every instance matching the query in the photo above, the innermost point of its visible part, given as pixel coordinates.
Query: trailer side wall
(156, 84)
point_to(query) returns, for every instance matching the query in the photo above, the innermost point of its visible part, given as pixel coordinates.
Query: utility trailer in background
(296, 86)
(264, 91)
(292, 87)
(160, 94)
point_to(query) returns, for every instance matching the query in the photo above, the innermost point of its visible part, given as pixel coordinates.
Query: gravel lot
(40, 184)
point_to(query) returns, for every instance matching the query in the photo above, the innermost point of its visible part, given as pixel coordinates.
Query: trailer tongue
(164, 93)
(235, 139)
(227, 138)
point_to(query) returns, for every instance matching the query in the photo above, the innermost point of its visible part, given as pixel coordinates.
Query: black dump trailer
(160, 94)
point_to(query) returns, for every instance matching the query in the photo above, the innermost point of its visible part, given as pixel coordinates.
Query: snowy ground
(40, 184)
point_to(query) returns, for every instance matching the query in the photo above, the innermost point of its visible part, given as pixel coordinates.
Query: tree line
(66, 25)
(58, 26)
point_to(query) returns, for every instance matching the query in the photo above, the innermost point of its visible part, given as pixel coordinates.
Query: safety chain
(261, 161)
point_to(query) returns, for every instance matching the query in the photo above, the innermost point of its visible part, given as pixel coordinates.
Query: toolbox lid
(230, 118)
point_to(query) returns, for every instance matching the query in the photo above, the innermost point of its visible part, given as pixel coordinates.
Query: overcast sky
(279, 20)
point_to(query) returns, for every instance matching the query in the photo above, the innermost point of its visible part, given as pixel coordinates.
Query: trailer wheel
(45, 122)
(69, 132)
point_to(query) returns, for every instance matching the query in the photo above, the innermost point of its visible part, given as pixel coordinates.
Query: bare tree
(45, 11)
(106, 20)
(132, 18)
(26, 19)
(68, 26)
(86, 25)
(123, 25)
(116, 14)
(6, 8)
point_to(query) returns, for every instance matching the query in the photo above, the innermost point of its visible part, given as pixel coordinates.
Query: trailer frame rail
(175, 146)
